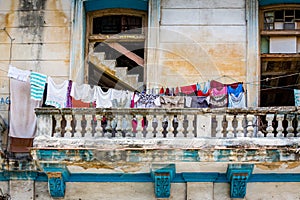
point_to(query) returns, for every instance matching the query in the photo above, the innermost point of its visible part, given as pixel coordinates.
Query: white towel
(103, 99)
(57, 93)
(21, 75)
(22, 115)
(237, 102)
(121, 98)
(82, 92)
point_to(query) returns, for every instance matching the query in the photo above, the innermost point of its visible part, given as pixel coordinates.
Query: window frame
(266, 57)
(91, 38)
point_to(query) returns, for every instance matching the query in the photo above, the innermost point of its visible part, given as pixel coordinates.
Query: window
(115, 24)
(280, 54)
(285, 19)
(116, 48)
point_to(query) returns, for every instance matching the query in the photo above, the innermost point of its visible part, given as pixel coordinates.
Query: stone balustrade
(95, 124)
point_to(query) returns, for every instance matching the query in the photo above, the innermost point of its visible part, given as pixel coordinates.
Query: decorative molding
(238, 175)
(282, 153)
(162, 176)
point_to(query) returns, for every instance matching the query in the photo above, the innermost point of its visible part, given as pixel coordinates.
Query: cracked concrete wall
(41, 32)
(201, 40)
(179, 191)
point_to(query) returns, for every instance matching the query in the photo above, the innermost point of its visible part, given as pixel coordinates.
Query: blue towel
(37, 85)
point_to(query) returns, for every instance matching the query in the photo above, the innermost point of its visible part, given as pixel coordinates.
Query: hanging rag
(22, 116)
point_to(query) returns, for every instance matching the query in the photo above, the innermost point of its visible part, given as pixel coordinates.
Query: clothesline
(148, 90)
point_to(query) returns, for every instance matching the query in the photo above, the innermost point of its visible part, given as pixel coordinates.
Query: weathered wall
(179, 191)
(201, 40)
(41, 32)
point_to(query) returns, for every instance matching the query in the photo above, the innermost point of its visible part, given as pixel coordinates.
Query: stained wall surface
(41, 40)
(201, 40)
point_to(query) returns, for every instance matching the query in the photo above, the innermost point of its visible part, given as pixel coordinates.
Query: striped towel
(37, 85)
(297, 97)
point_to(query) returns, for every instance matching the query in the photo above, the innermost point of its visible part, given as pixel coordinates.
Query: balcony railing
(97, 124)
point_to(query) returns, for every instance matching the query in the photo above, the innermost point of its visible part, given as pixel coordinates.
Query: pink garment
(219, 92)
(22, 116)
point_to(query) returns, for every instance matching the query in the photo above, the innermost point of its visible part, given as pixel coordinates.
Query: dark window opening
(278, 81)
(122, 60)
(115, 24)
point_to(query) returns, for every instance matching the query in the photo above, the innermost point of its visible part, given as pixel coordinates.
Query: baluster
(159, 128)
(230, 128)
(99, 129)
(129, 128)
(170, 127)
(139, 128)
(250, 128)
(259, 124)
(269, 118)
(48, 124)
(219, 119)
(41, 125)
(239, 128)
(298, 126)
(149, 128)
(119, 126)
(290, 128)
(88, 127)
(108, 128)
(58, 128)
(190, 127)
(180, 128)
(78, 127)
(280, 118)
(68, 128)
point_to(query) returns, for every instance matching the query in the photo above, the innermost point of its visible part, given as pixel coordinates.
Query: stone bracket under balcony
(162, 174)
(238, 175)
(57, 175)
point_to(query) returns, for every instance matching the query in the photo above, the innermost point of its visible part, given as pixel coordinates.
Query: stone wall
(136, 191)
(201, 40)
(41, 33)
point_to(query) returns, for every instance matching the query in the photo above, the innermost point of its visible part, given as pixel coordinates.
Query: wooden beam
(280, 57)
(118, 37)
(281, 33)
(127, 53)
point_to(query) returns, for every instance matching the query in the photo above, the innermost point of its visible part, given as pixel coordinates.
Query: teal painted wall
(272, 2)
(93, 5)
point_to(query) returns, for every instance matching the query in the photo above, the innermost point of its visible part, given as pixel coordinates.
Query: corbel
(57, 175)
(238, 175)
(162, 176)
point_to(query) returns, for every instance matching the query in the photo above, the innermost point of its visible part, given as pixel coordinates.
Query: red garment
(216, 84)
(161, 91)
(134, 125)
(188, 89)
(167, 92)
(201, 94)
(20, 145)
(176, 91)
(80, 104)
(234, 85)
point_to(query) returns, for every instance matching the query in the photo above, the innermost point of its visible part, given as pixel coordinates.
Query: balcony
(167, 128)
